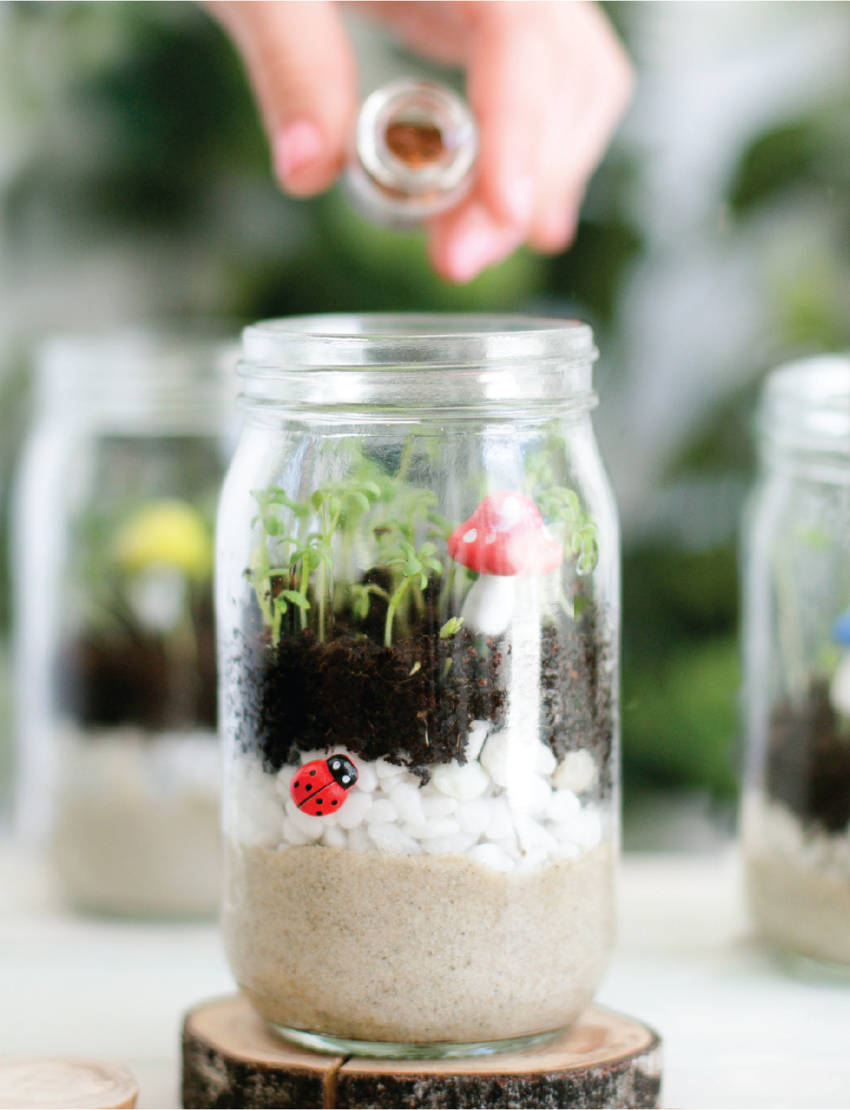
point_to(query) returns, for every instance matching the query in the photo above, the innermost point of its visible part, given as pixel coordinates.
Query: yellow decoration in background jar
(166, 532)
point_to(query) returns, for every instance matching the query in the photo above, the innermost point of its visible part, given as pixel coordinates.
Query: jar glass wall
(118, 767)
(797, 668)
(418, 614)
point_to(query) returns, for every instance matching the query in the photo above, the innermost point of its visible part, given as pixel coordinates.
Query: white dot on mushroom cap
(471, 536)
(510, 506)
(491, 538)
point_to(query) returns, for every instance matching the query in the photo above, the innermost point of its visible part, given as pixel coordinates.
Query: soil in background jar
(412, 703)
(808, 761)
(131, 678)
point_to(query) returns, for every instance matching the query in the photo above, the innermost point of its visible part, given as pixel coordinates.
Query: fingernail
(519, 195)
(296, 147)
(471, 252)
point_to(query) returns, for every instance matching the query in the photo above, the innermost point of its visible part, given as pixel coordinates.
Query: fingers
(591, 88)
(468, 239)
(303, 74)
(547, 82)
(508, 87)
(547, 79)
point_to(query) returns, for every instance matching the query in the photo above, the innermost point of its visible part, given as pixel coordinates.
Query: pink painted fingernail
(519, 196)
(296, 147)
(471, 252)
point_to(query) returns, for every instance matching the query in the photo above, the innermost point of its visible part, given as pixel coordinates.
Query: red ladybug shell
(321, 787)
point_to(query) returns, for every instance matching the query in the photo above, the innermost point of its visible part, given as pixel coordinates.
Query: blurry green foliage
(680, 667)
(810, 152)
(159, 112)
(680, 718)
(351, 265)
(800, 172)
(769, 163)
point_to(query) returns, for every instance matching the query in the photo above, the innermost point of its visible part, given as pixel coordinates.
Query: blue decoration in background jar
(839, 690)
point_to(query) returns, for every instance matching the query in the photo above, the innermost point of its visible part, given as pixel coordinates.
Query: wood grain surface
(232, 1059)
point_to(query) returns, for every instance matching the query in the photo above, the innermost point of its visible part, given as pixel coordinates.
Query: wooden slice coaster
(65, 1083)
(232, 1059)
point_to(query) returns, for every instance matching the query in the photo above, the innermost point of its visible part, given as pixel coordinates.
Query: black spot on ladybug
(320, 801)
(296, 782)
(334, 802)
(309, 786)
(312, 774)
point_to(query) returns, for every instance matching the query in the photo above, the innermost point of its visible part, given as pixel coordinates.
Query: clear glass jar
(118, 759)
(414, 153)
(796, 807)
(418, 611)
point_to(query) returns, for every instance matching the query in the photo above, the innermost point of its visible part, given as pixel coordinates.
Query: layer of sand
(798, 908)
(136, 824)
(382, 947)
(798, 880)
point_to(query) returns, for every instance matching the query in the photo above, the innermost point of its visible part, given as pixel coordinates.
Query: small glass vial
(118, 762)
(796, 808)
(417, 604)
(415, 148)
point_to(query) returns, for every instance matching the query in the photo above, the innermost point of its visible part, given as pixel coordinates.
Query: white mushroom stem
(523, 710)
(839, 690)
(489, 605)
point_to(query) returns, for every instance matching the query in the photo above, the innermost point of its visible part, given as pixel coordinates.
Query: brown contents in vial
(415, 144)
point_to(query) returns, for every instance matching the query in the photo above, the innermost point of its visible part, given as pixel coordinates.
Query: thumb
(302, 70)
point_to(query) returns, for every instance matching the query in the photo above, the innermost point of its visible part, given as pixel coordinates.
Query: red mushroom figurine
(503, 538)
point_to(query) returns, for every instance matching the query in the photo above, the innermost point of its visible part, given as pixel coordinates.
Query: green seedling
(307, 558)
(452, 626)
(561, 506)
(412, 566)
(361, 598)
(334, 507)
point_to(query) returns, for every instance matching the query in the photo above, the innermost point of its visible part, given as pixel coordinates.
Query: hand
(547, 81)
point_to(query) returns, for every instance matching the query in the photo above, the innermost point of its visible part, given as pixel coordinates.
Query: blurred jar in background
(796, 816)
(118, 765)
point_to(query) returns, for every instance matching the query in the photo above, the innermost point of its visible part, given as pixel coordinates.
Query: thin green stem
(305, 582)
(405, 460)
(396, 598)
(320, 590)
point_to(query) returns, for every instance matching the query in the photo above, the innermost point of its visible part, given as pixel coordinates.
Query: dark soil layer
(413, 703)
(578, 700)
(108, 680)
(808, 761)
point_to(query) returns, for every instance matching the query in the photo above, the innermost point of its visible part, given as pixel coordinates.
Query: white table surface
(738, 1031)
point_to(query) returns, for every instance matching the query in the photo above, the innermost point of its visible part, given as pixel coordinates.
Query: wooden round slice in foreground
(65, 1083)
(232, 1059)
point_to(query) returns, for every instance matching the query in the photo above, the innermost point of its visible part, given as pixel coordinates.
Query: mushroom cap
(841, 630)
(506, 536)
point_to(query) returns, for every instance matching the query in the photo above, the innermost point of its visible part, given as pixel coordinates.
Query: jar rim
(806, 404)
(340, 340)
(133, 372)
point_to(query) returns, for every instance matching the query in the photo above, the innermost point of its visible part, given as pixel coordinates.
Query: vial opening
(416, 143)
(414, 152)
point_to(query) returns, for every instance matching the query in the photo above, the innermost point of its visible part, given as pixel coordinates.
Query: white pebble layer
(136, 820)
(798, 880)
(770, 828)
(464, 809)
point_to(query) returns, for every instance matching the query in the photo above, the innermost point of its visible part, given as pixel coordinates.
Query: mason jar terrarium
(417, 602)
(118, 755)
(796, 809)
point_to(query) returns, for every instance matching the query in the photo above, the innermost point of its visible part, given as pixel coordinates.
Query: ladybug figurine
(321, 787)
